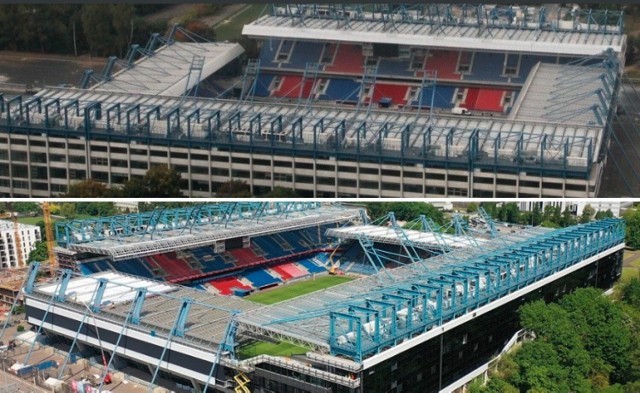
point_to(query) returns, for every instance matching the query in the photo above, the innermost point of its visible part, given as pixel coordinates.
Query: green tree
(25, 207)
(39, 253)
(472, 207)
(281, 192)
(98, 29)
(587, 213)
(632, 221)
(234, 189)
(96, 209)
(163, 182)
(567, 218)
(509, 212)
(631, 292)
(135, 188)
(68, 210)
(87, 189)
(122, 22)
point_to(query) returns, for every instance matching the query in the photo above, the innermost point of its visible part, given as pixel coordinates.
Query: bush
(20, 328)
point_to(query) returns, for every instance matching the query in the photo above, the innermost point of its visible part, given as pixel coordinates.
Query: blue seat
(442, 99)
(394, 67)
(268, 53)
(262, 85)
(260, 278)
(342, 90)
(303, 53)
(134, 266)
(487, 67)
(311, 266)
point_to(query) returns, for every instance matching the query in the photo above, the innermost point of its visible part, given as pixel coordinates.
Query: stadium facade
(420, 325)
(484, 102)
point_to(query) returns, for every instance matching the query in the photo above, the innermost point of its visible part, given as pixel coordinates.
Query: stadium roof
(141, 234)
(207, 320)
(169, 71)
(306, 318)
(441, 28)
(388, 235)
(388, 125)
(566, 94)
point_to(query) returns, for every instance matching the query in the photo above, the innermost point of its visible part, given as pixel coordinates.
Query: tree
(587, 213)
(135, 188)
(509, 212)
(472, 207)
(96, 208)
(68, 211)
(234, 189)
(632, 220)
(87, 189)
(39, 253)
(163, 182)
(122, 16)
(25, 207)
(281, 192)
(567, 219)
(97, 26)
(631, 292)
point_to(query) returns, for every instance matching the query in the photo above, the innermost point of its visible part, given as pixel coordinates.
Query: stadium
(304, 297)
(485, 101)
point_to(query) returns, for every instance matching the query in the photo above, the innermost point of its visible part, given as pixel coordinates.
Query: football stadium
(359, 100)
(302, 297)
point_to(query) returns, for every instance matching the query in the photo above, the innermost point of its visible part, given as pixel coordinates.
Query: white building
(126, 206)
(576, 206)
(29, 235)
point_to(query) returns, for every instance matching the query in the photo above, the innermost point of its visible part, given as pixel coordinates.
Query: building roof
(172, 69)
(442, 28)
(6, 225)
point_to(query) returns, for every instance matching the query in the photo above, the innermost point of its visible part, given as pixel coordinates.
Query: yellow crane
(48, 228)
(18, 239)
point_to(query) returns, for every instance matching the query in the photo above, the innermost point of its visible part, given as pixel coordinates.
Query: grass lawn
(36, 219)
(628, 273)
(30, 220)
(232, 30)
(265, 348)
(290, 291)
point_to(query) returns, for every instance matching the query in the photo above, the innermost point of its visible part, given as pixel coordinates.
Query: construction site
(170, 299)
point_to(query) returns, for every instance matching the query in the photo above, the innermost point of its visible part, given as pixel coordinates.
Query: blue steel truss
(156, 222)
(370, 325)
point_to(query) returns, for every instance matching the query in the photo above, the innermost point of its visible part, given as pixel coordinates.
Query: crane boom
(48, 227)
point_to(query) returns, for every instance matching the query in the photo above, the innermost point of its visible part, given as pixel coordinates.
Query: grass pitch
(265, 348)
(289, 291)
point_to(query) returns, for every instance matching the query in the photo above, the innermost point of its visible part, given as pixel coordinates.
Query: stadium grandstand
(485, 101)
(435, 306)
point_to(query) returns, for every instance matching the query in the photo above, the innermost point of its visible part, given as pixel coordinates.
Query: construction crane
(18, 239)
(48, 228)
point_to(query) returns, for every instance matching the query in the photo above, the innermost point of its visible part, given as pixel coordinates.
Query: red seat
(444, 62)
(348, 60)
(226, 285)
(290, 87)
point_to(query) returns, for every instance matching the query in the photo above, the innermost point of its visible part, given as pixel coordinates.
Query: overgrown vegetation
(586, 343)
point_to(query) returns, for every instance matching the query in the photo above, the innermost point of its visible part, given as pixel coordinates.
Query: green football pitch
(289, 291)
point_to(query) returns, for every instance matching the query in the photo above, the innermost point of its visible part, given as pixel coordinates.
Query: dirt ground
(38, 70)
